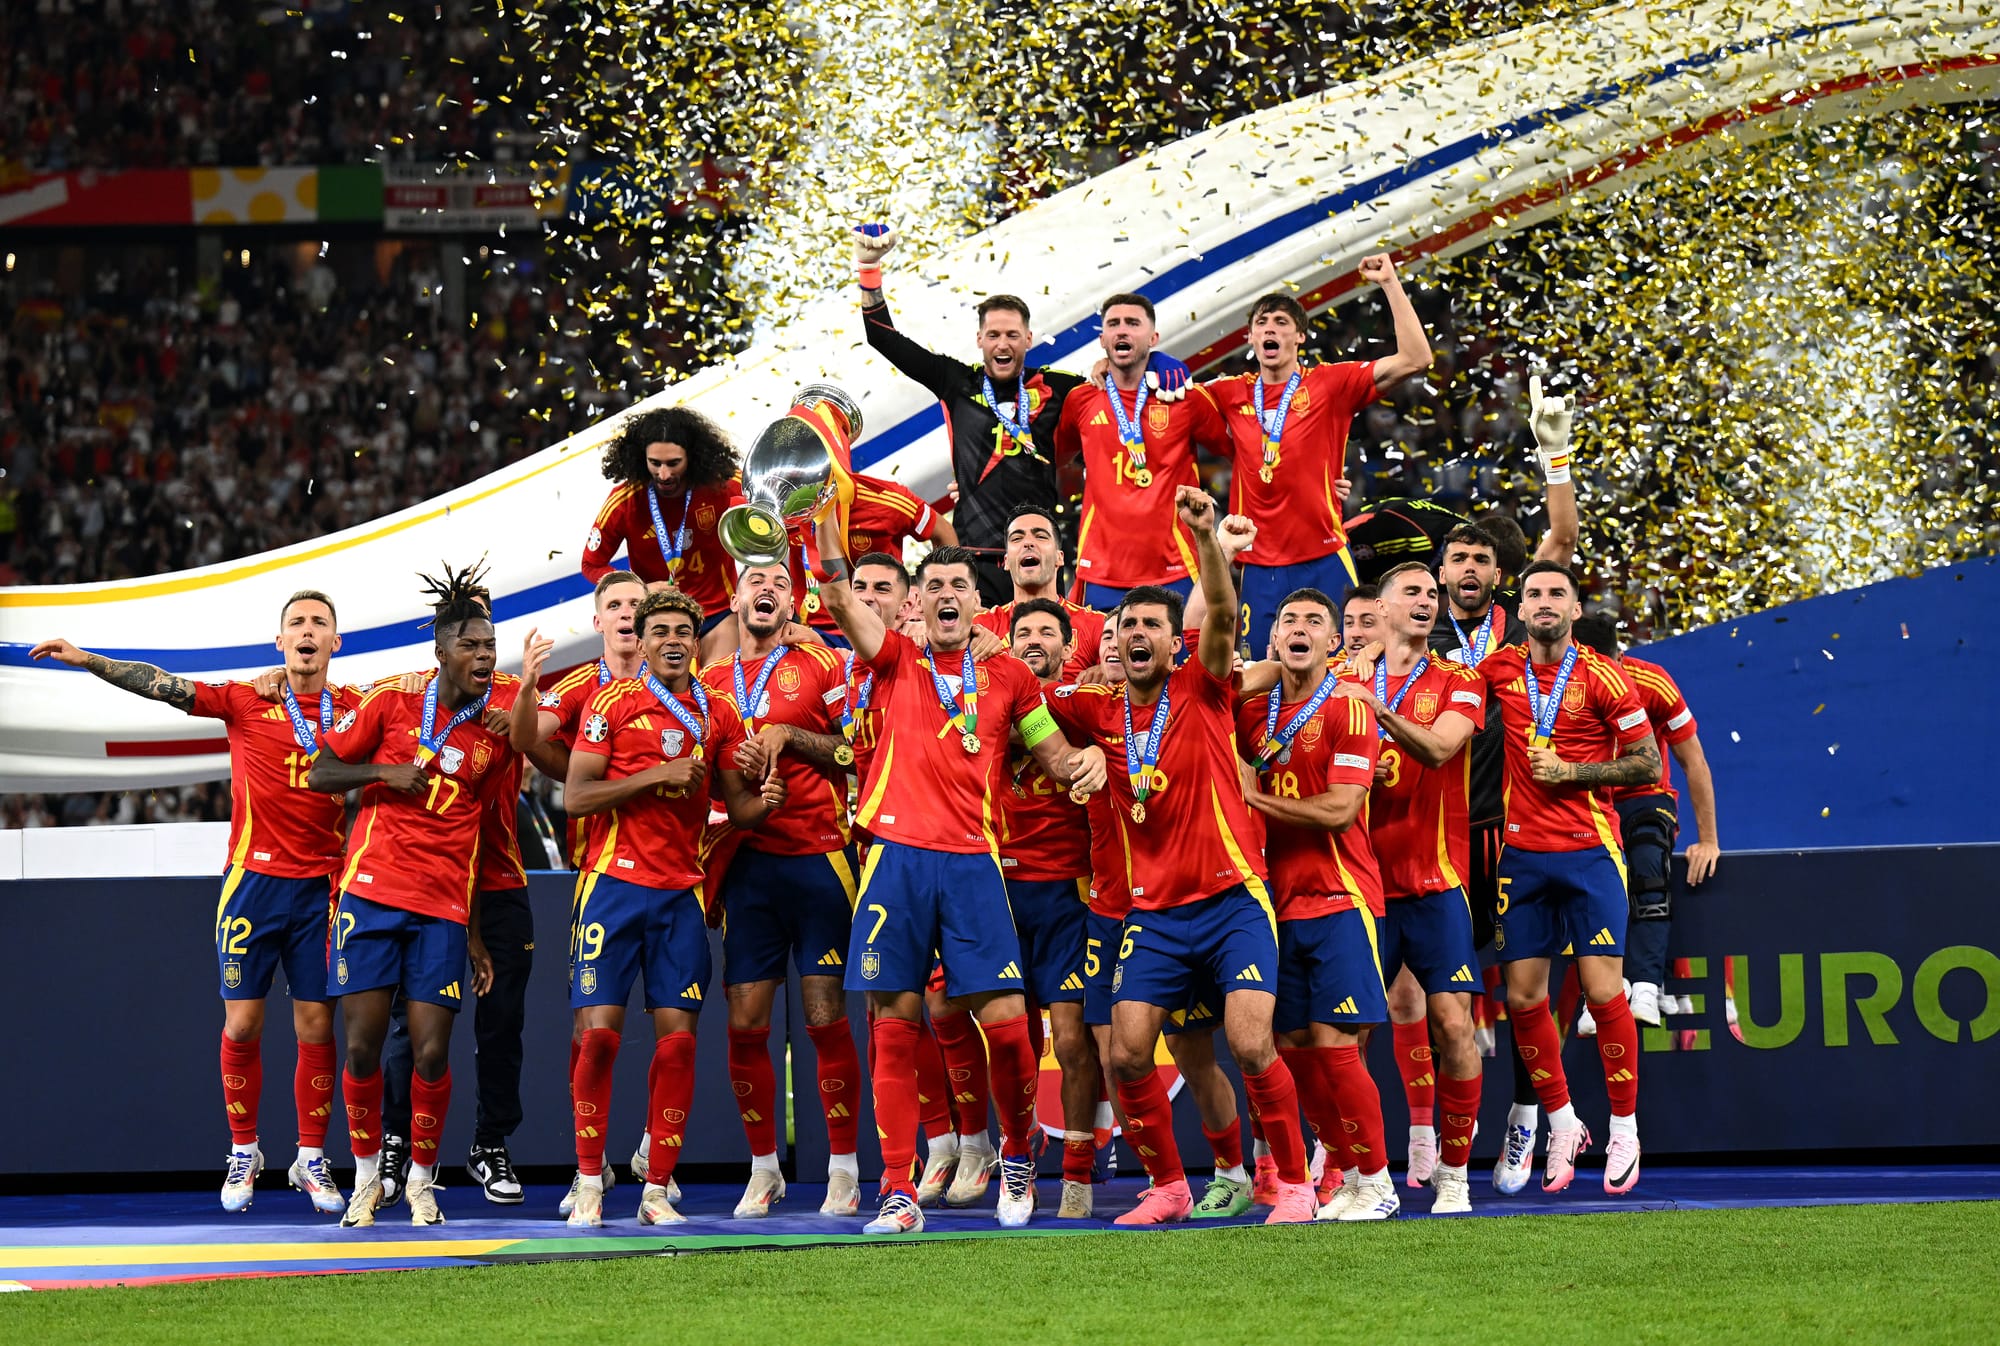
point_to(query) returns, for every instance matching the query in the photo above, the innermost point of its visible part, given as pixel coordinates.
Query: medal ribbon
(430, 743)
(302, 729)
(966, 721)
(1130, 428)
(699, 728)
(1544, 708)
(856, 702)
(1274, 429)
(1141, 758)
(672, 552)
(1483, 634)
(1276, 740)
(1382, 687)
(1016, 430)
(748, 701)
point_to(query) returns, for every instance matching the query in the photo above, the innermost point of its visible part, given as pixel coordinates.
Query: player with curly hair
(676, 473)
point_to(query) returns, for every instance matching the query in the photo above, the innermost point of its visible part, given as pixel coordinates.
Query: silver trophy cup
(788, 477)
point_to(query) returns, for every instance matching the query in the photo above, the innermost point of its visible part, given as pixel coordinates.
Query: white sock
(1260, 1149)
(849, 1164)
(649, 1189)
(308, 1153)
(251, 1148)
(1563, 1118)
(944, 1146)
(367, 1168)
(1524, 1114)
(1236, 1174)
(766, 1163)
(423, 1173)
(1625, 1126)
(590, 1180)
(979, 1140)
(1351, 1177)
(1423, 1133)
(1458, 1172)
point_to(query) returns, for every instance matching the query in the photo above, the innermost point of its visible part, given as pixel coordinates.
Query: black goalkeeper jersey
(1485, 792)
(994, 474)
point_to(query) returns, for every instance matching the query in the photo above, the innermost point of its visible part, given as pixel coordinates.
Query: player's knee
(1130, 1061)
(1451, 1018)
(363, 1059)
(1073, 1046)
(430, 1059)
(241, 1024)
(1253, 1052)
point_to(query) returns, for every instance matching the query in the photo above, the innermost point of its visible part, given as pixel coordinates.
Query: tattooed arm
(155, 684)
(1638, 764)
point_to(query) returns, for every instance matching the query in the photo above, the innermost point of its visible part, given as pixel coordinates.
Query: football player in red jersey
(1430, 708)
(1574, 730)
(1045, 856)
(1311, 756)
(1649, 818)
(1201, 912)
(427, 766)
(1136, 449)
(932, 880)
(789, 888)
(1360, 618)
(284, 849)
(643, 761)
(1034, 563)
(676, 475)
(1288, 428)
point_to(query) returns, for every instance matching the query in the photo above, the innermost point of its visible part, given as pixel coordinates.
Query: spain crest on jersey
(586, 979)
(340, 971)
(789, 679)
(1158, 418)
(1573, 698)
(672, 741)
(482, 753)
(232, 974)
(1424, 705)
(1310, 731)
(704, 518)
(871, 965)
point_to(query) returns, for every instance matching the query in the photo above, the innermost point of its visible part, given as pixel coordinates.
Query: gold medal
(1138, 811)
(843, 755)
(1143, 477)
(970, 742)
(812, 602)
(1264, 473)
(1078, 797)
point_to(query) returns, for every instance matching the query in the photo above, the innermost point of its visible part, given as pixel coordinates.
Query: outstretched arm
(1413, 348)
(1217, 650)
(155, 684)
(872, 243)
(856, 620)
(1549, 417)
(1703, 854)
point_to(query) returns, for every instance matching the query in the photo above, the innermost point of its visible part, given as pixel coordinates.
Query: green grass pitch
(1928, 1273)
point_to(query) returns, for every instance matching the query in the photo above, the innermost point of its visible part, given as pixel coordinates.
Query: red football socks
(1459, 1100)
(1079, 1156)
(242, 1086)
(430, 1100)
(312, 1092)
(1541, 1053)
(895, 1072)
(1316, 1096)
(840, 1081)
(1227, 1145)
(1413, 1059)
(1016, 1073)
(670, 1093)
(364, 1113)
(933, 1089)
(1360, 1104)
(756, 1086)
(1275, 1099)
(965, 1063)
(590, 1095)
(1149, 1127)
(1618, 1048)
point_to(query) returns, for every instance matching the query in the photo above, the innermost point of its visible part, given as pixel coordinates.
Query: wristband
(1555, 468)
(834, 567)
(870, 277)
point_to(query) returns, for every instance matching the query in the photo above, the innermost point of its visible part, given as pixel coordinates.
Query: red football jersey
(1297, 512)
(705, 572)
(1131, 534)
(806, 690)
(500, 863)
(277, 826)
(1668, 712)
(1315, 872)
(885, 514)
(922, 787)
(1599, 717)
(1044, 835)
(1110, 895)
(420, 852)
(1086, 630)
(653, 839)
(863, 713)
(568, 698)
(1417, 815)
(1197, 838)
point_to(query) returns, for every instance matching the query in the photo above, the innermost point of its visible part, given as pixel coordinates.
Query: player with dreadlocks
(676, 474)
(406, 917)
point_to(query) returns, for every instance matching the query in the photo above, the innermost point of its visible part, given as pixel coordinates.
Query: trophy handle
(753, 534)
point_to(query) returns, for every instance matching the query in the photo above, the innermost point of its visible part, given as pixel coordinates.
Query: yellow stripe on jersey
(868, 869)
(609, 850)
(1083, 530)
(354, 865)
(866, 816)
(1236, 857)
(249, 823)
(618, 497)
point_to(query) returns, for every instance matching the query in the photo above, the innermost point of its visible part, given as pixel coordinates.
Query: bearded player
(932, 882)
(676, 474)
(1288, 429)
(1136, 450)
(789, 888)
(1312, 755)
(406, 919)
(1045, 856)
(284, 850)
(1430, 708)
(643, 761)
(1574, 730)
(1200, 910)
(1034, 562)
